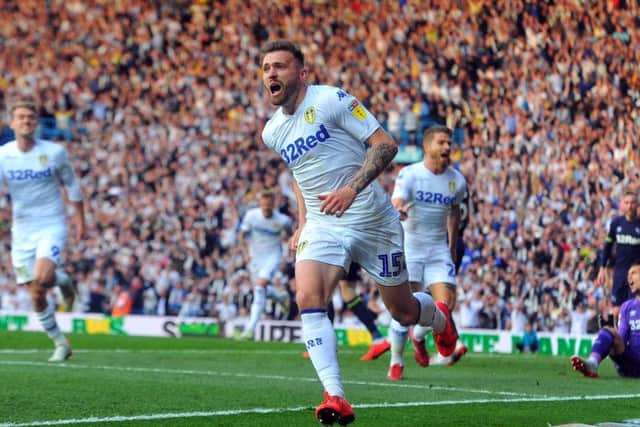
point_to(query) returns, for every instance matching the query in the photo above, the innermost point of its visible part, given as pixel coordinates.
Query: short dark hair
(28, 103)
(629, 192)
(267, 193)
(433, 130)
(286, 45)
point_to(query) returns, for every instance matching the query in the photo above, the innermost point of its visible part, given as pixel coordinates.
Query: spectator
(542, 106)
(529, 343)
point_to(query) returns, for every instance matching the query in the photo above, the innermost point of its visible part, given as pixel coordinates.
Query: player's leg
(620, 293)
(627, 363)
(419, 308)
(34, 259)
(439, 275)
(315, 286)
(51, 246)
(445, 292)
(608, 342)
(257, 309)
(357, 306)
(460, 350)
(261, 272)
(44, 278)
(398, 333)
(417, 336)
(276, 290)
(380, 252)
(67, 288)
(320, 263)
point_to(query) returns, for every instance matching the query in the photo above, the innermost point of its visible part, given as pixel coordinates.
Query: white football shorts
(435, 266)
(379, 251)
(265, 266)
(31, 243)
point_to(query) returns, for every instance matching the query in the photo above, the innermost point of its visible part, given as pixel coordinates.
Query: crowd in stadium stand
(160, 106)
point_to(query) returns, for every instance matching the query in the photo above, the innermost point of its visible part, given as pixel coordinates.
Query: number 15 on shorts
(392, 265)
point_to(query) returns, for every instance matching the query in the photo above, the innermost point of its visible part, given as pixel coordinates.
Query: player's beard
(26, 131)
(288, 92)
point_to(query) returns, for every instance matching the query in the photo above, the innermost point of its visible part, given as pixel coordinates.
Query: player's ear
(304, 73)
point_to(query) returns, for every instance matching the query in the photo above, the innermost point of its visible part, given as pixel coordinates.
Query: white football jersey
(323, 143)
(33, 179)
(430, 197)
(265, 234)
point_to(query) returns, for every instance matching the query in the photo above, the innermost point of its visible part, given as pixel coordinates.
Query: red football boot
(395, 372)
(584, 366)
(420, 352)
(376, 350)
(334, 409)
(446, 340)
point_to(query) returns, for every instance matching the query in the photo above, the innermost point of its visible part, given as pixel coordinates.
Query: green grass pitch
(134, 381)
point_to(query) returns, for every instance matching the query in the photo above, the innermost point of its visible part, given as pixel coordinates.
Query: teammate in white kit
(265, 230)
(322, 133)
(34, 172)
(428, 195)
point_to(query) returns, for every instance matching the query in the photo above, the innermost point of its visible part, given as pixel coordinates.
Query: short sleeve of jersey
(245, 227)
(350, 114)
(402, 187)
(461, 191)
(67, 175)
(288, 223)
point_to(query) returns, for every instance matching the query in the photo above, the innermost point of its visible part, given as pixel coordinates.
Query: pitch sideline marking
(143, 351)
(302, 408)
(271, 377)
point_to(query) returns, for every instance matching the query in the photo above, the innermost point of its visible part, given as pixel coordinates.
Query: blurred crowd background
(160, 106)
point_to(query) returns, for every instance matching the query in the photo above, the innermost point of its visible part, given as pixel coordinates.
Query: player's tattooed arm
(382, 151)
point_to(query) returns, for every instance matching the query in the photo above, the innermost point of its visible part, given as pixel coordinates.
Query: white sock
(321, 343)
(62, 279)
(257, 308)
(398, 340)
(439, 359)
(419, 332)
(47, 319)
(430, 314)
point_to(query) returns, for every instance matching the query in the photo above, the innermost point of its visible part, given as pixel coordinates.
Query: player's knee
(618, 342)
(404, 317)
(38, 295)
(309, 300)
(43, 280)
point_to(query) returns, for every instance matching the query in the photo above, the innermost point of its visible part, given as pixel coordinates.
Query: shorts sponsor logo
(301, 247)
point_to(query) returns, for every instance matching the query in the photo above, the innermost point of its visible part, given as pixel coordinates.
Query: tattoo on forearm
(378, 157)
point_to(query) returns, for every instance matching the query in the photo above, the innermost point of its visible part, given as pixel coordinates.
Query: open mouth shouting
(276, 88)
